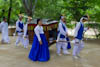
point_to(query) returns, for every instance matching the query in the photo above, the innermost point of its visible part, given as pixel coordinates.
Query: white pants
(5, 37)
(26, 42)
(20, 39)
(61, 45)
(78, 46)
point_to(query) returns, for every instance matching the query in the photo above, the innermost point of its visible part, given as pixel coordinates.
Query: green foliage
(16, 9)
(52, 9)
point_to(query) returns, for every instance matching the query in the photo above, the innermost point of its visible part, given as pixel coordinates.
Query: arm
(77, 29)
(1, 25)
(36, 30)
(25, 30)
(58, 37)
(85, 29)
(66, 31)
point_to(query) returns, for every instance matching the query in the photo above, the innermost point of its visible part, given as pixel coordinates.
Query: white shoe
(26, 47)
(59, 54)
(75, 57)
(78, 56)
(7, 42)
(66, 53)
(16, 45)
(2, 42)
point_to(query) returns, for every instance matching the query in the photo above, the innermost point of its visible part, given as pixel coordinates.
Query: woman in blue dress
(39, 50)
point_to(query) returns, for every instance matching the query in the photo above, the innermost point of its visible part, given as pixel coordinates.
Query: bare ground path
(12, 56)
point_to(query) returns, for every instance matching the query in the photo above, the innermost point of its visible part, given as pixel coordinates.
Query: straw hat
(29, 17)
(20, 15)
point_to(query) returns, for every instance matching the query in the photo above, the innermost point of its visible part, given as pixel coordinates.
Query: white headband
(83, 18)
(62, 17)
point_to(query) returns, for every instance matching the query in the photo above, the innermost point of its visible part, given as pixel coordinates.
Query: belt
(19, 31)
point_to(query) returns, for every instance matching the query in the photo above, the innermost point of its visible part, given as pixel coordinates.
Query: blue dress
(39, 52)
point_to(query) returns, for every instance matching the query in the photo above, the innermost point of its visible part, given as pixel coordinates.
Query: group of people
(22, 31)
(62, 38)
(40, 50)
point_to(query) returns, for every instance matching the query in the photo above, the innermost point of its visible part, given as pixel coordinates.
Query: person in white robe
(4, 31)
(20, 30)
(78, 37)
(26, 38)
(62, 35)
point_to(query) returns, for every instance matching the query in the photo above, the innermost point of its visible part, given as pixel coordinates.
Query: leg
(65, 51)
(58, 46)
(76, 46)
(75, 49)
(2, 41)
(18, 40)
(81, 46)
(22, 40)
(7, 40)
(26, 42)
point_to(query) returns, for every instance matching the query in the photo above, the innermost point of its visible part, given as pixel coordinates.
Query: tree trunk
(9, 12)
(29, 6)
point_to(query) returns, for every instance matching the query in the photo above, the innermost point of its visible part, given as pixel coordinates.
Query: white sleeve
(61, 29)
(77, 29)
(66, 30)
(85, 29)
(58, 37)
(36, 30)
(25, 30)
(17, 25)
(1, 25)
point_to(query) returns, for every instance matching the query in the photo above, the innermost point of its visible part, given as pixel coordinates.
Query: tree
(77, 7)
(29, 6)
(48, 9)
(9, 11)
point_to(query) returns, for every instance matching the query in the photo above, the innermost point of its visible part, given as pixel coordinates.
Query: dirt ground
(12, 56)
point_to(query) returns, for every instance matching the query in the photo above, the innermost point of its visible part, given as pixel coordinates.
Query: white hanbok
(26, 39)
(0, 28)
(63, 32)
(79, 43)
(4, 30)
(19, 32)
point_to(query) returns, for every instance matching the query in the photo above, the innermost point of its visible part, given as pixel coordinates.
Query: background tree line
(50, 9)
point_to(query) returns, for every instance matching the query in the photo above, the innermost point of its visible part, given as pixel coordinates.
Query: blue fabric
(21, 25)
(80, 32)
(39, 52)
(64, 27)
(18, 31)
(68, 44)
(61, 35)
(27, 32)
